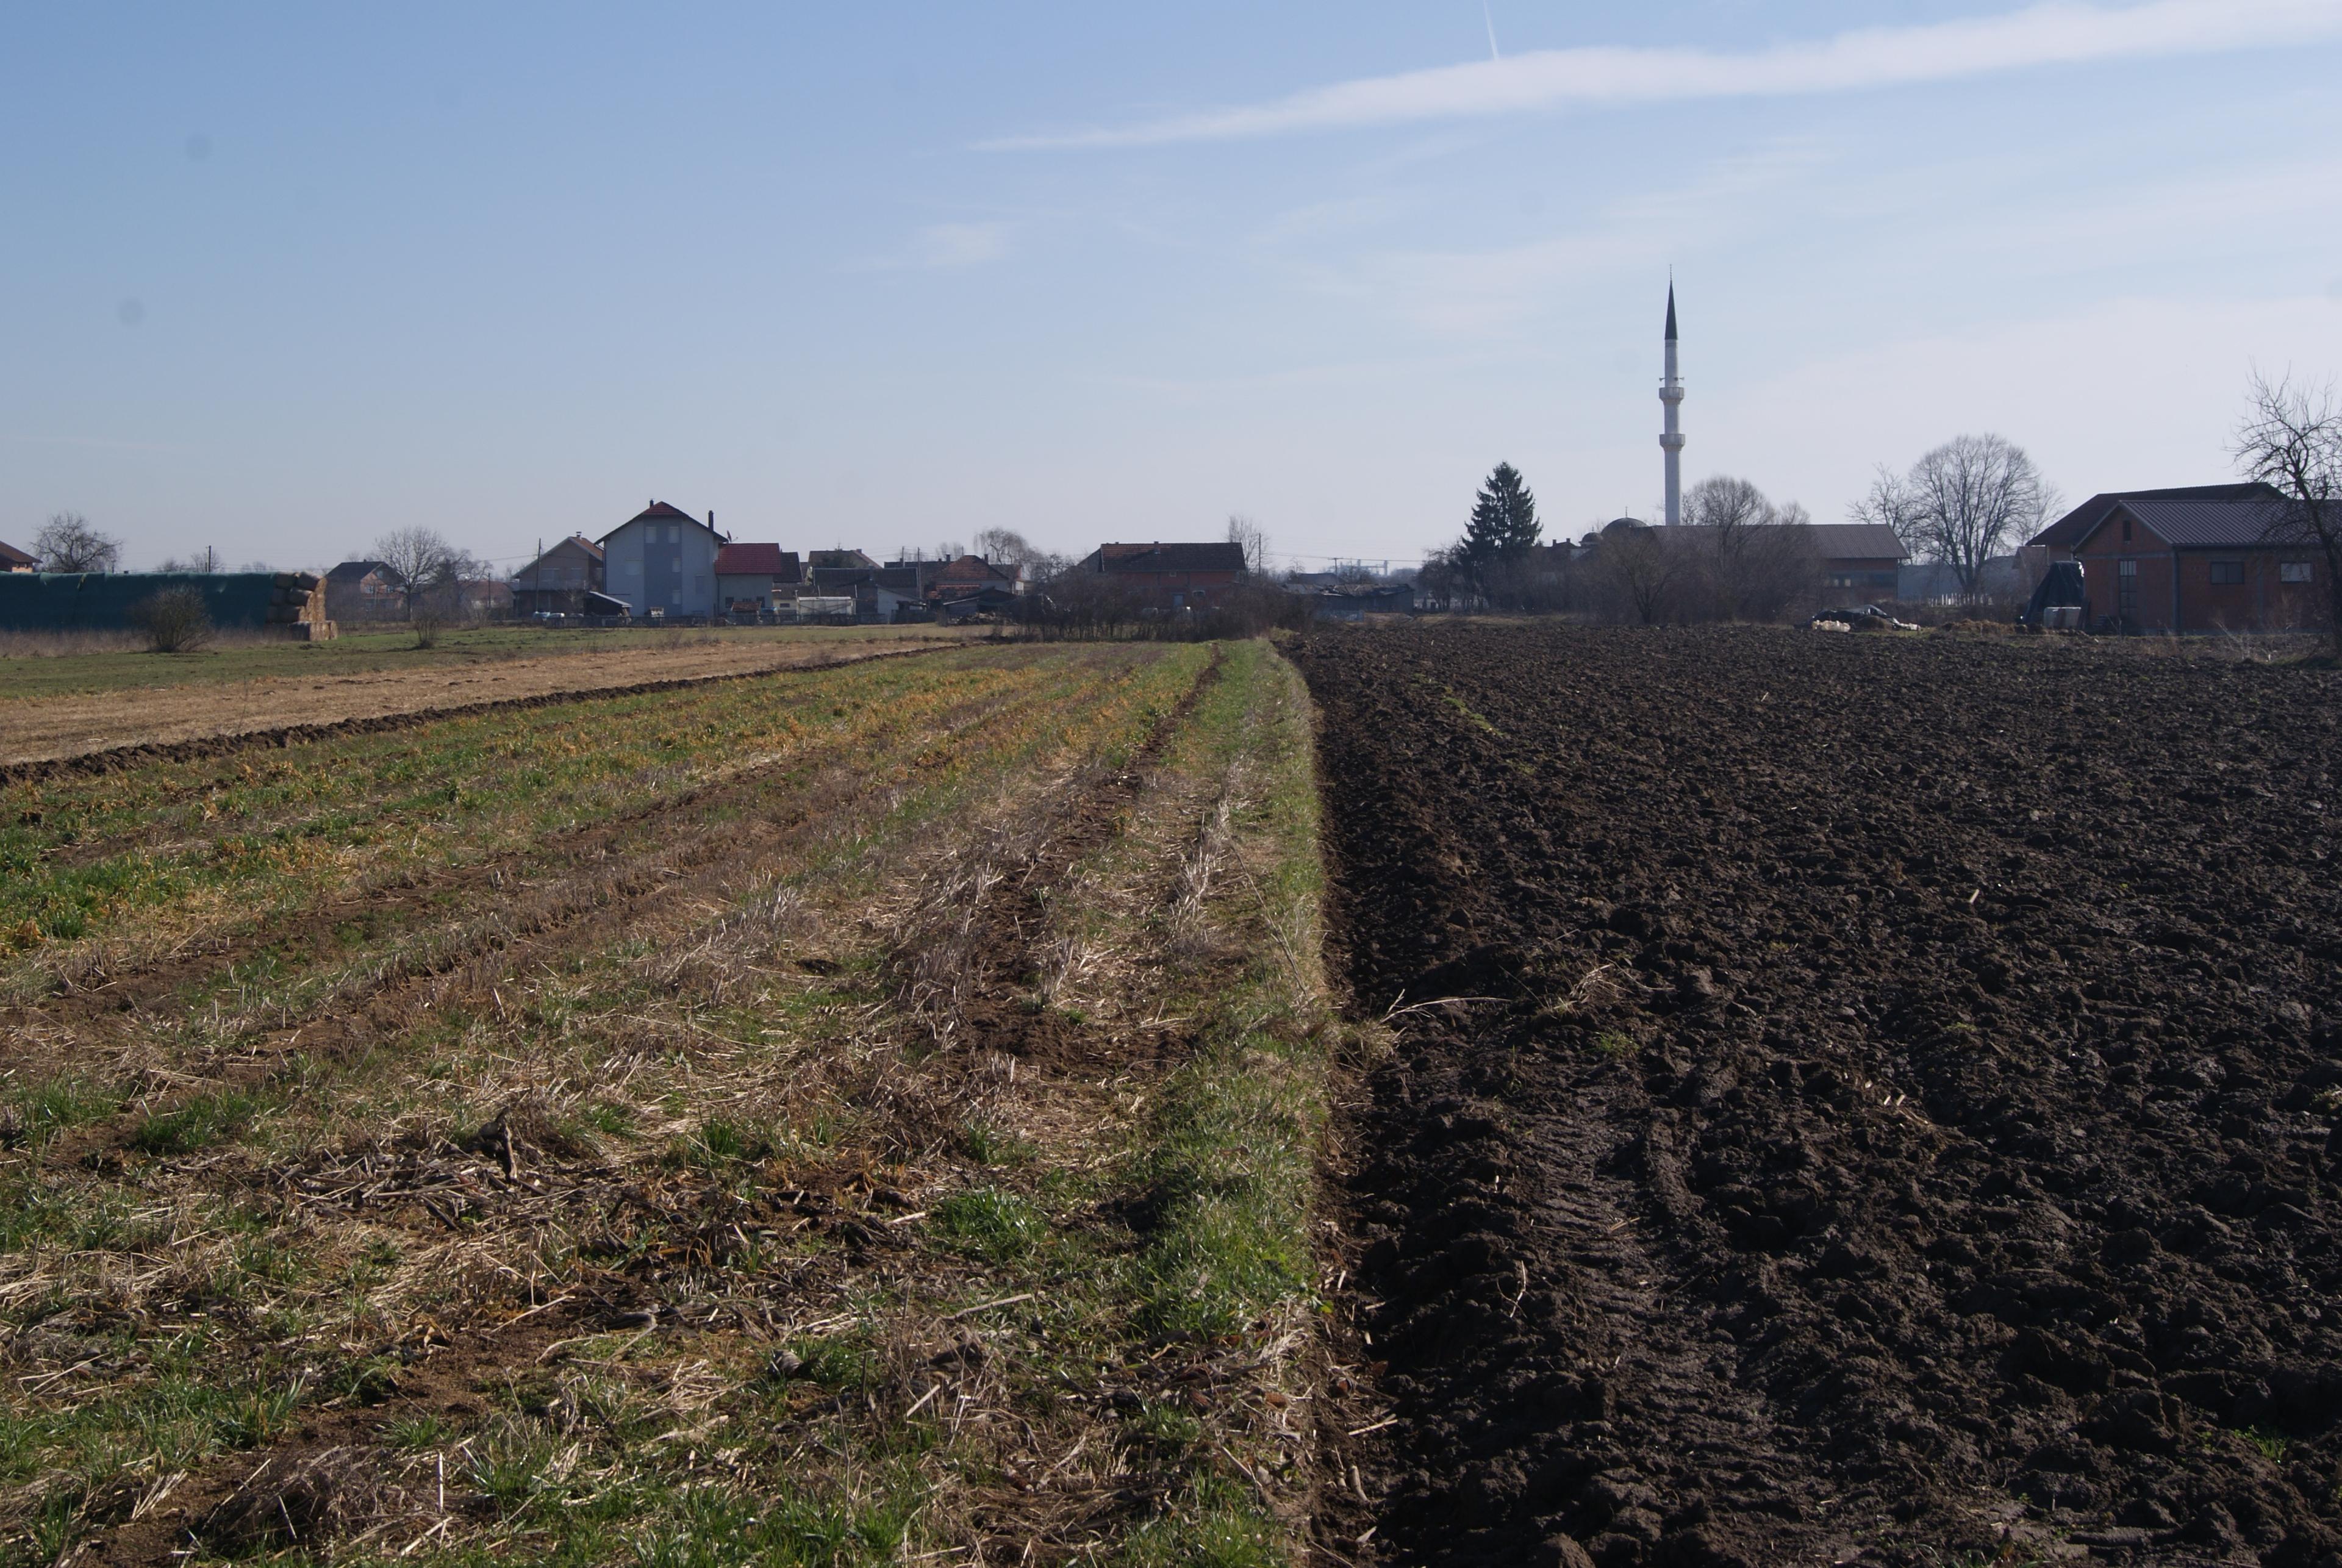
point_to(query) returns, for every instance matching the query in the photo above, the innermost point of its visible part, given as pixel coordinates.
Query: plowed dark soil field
(1891, 1107)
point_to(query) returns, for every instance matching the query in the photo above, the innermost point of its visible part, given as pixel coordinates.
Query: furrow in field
(539, 1188)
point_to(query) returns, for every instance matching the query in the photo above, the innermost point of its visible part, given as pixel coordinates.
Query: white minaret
(1671, 435)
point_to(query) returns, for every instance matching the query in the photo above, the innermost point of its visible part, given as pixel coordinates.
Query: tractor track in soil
(1854, 1097)
(250, 1498)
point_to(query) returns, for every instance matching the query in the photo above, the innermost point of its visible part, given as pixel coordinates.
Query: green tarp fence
(103, 602)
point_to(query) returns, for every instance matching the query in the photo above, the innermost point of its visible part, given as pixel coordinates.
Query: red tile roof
(756, 561)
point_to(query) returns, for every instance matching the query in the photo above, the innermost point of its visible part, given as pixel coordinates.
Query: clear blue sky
(281, 278)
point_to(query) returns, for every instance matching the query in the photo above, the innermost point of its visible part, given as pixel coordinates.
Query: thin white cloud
(957, 245)
(2054, 33)
(1467, 293)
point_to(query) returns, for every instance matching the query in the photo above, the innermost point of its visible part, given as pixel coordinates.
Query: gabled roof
(10, 557)
(359, 571)
(756, 561)
(660, 512)
(1856, 542)
(2235, 521)
(2082, 520)
(1160, 557)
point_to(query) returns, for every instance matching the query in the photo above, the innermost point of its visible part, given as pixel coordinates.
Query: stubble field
(1852, 1097)
(854, 1115)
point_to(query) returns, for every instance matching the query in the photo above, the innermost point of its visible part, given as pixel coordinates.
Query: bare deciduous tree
(1245, 532)
(1758, 559)
(1639, 572)
(1961, 502)
(1007, 547)
(2291, 438)
(421, 559)
(67, 543)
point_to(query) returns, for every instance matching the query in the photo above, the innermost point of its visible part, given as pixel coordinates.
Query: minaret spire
(1671, 393)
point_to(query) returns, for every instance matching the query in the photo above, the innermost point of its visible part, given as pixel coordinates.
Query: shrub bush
(175, 621)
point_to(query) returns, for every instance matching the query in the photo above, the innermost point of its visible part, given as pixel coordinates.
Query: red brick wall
(2260, 602)
(2102, 555)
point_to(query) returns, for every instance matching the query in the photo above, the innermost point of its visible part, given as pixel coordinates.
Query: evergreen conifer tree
(1504, 520)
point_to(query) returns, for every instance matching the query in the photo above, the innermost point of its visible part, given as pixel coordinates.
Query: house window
(634, 569)
(2227, 573)
(2292, 572)
(2128, 569)
(2126, 530)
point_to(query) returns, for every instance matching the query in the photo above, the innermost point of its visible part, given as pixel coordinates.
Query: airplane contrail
(1491, 21)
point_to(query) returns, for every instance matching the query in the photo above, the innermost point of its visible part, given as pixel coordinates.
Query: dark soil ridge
(1901, 1120)
(115, 759)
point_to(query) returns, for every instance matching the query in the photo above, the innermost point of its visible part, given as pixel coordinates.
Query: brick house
(1168, 576)
(2186, 561)
(557, 582)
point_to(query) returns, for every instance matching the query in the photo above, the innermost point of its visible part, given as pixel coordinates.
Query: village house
(364, 591)
(2186, 561)
(662, 563)
(1860, 558)
(750, 578)
(1168, 576)
(15, 560)
(557, 582)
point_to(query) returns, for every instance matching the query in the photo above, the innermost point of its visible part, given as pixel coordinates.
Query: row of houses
(664, 565)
